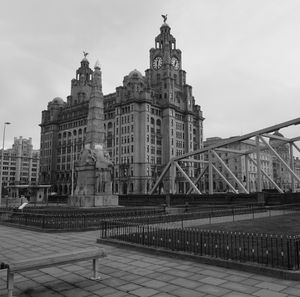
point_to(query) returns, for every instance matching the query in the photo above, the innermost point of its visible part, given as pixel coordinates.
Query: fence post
(297, 251)
(105, 229)
(288, 252)
(143, 239)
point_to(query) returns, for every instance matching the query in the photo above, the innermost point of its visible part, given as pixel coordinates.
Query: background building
(297, 171)
(280, 174)
(238, 165)
(20, 164)
(148, 120)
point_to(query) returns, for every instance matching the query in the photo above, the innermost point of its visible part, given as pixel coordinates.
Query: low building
(240, 166)
(281, 174)
(297, 171)
(20, 164)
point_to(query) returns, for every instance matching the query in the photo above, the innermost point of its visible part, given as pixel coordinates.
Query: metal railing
(278, 251)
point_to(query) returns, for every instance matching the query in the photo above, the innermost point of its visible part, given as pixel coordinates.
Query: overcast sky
(242, 58)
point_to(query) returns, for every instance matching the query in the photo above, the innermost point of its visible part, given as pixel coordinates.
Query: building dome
(58, 100)
(97, 65)
(165, 25)
(135, 73)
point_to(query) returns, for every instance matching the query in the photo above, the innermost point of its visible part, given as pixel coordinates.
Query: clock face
(175, 63)
(157, 62)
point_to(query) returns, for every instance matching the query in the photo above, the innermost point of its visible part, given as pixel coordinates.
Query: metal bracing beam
(247, 173)
(292, 165)
(240, 138)
(194, 161)
(198, 178)
(172, 177)
(226, 181)
(210, 174)
(284, 139)
(248, 152)
(296, 147)
(230, 172)
(281, 160)
(187, 177)
(295, 139)
(266, 175)
(258, 175)
(227, 150)
(160, 178)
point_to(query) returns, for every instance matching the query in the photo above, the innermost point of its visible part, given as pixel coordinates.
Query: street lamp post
(2, 157)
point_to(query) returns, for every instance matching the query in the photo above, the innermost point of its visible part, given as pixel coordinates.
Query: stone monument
(94, 169)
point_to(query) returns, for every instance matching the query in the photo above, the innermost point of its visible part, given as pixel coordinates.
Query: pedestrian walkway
(125, 272)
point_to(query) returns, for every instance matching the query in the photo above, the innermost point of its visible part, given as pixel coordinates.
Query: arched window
(152, 121)
(158, 122)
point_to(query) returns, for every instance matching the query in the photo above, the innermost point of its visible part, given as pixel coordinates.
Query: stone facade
(20, 163)
(280, 174)
(237, 165)
(148, 120)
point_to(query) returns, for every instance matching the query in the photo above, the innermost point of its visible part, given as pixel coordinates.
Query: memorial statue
(94, 169)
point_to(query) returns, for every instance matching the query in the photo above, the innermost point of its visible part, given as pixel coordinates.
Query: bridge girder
(174, 166)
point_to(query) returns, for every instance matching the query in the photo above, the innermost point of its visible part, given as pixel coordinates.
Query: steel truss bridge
(207, 166)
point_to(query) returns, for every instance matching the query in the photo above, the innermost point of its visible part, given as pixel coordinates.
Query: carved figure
(102, 158)
(164, 16)
(101, 181)
(85, 54)
(88, 156)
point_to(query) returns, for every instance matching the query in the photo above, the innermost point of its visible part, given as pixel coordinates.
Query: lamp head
(7, 123)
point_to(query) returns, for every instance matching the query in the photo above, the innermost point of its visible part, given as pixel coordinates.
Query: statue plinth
(94, 184)
(94, 200)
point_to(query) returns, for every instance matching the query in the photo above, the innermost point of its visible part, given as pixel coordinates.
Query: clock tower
(181, 117)
(165, 74)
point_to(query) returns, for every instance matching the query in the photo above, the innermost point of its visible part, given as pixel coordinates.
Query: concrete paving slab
(125, 272)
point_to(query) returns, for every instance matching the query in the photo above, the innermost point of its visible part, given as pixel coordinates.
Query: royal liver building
(148, 120)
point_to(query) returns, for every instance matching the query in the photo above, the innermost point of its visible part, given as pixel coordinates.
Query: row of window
(109, 115)
(71, 125)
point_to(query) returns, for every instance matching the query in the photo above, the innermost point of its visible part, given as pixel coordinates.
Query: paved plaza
(125, 272)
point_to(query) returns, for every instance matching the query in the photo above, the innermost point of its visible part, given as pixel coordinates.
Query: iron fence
(76, 219)
(84, 219)
(271, 250)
